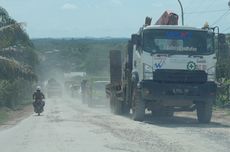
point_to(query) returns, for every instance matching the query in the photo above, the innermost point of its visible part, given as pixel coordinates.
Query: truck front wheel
(204, 111)
(138, 106)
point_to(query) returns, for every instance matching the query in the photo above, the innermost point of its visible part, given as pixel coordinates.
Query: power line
(210, 11)
(223, 15)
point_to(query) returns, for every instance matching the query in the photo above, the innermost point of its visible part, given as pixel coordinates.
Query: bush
(223, 93)
(16, 92)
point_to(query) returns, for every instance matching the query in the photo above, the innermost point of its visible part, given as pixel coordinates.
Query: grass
(225, 111)
(3, 115)
(6, 113)
(228, 112)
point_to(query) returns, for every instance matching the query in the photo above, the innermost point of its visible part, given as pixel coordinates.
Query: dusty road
(69, 126)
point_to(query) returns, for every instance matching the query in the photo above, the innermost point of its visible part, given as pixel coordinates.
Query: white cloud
(69, 6)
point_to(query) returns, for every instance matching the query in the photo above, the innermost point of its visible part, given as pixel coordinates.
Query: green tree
(17, 62)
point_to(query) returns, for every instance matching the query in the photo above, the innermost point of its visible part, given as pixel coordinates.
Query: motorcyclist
(38, 96)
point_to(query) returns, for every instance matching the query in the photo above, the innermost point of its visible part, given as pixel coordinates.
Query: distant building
(74, 74)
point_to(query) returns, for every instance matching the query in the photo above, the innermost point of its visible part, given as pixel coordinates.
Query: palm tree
(17, 62)
(15, 50)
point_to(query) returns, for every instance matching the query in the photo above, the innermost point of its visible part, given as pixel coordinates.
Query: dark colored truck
(53, 88)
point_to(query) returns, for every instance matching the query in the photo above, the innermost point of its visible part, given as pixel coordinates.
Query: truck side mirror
(221, 38)
(136, 39)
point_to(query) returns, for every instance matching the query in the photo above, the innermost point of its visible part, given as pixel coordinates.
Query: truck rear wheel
(138, 106)
(125, 109)
(204, 111)
(115, 105)
(118, 107)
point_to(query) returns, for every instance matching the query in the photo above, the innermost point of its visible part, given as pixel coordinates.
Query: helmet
(38, 88)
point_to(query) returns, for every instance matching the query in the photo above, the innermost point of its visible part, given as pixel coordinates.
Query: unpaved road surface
(69, 126)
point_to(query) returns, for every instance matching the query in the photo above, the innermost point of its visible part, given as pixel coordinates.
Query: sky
(109, 18)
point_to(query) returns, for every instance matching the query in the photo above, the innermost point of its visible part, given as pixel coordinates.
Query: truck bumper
(178, 94)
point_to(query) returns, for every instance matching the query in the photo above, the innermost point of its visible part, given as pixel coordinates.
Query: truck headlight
(146, 92)
(148, 72)
(211, 73)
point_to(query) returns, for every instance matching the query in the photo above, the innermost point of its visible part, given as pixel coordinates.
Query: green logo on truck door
(191, 65)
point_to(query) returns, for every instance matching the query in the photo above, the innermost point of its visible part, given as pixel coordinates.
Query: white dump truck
(166, 68)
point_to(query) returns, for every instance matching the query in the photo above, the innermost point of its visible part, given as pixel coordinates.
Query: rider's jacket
(38, 95)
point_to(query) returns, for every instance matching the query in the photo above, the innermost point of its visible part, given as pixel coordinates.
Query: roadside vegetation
(59, 56)
(3, 115)
(223, 75)
(17, 63)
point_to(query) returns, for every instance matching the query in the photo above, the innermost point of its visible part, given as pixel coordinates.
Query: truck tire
(118, 108)
(125, 109)
(204, 111)
(138, 106)
(115, 105)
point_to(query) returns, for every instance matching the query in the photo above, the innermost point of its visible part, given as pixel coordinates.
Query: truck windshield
(178, 41)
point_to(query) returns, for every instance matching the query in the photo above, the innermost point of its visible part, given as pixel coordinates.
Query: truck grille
(179, 76)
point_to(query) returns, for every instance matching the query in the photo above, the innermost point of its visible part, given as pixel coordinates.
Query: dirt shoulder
(222, 116)
(11, 117)
(219, 115)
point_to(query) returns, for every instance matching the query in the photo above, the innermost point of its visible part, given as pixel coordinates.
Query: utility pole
(182, 11)
(229, 3)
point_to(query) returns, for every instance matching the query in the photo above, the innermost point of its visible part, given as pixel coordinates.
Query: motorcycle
(38, 106)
